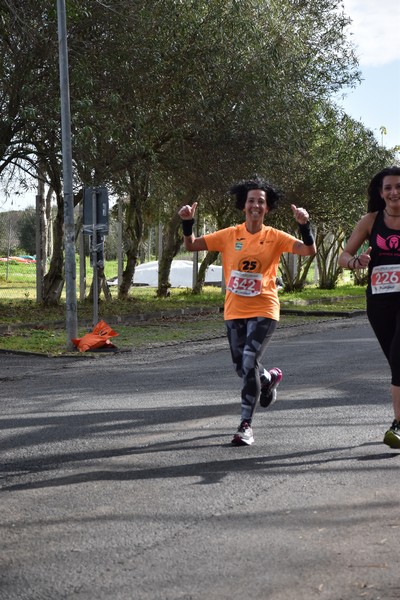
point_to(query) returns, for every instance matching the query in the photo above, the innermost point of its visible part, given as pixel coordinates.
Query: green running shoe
(392, 436)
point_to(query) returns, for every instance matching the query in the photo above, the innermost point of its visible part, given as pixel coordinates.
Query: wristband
(187, 226)
(353, 258)
(306, 233)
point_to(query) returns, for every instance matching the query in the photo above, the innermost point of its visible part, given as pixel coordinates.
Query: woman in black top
(381, 227)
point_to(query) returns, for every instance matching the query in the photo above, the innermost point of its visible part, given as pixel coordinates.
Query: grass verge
(144, 319)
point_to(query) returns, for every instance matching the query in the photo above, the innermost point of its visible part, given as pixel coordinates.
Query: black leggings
(384, 317)
(248, 339)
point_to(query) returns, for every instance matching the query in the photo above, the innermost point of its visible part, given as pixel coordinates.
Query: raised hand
(187, 212)
(300, 214)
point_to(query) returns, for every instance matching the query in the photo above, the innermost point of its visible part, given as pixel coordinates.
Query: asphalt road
(118, 480)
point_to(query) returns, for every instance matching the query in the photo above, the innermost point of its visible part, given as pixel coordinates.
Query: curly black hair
(375, 202)
(240, 190)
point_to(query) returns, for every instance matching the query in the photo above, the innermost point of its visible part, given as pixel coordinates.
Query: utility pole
(40, 238)
(69, 224)
(120, 251)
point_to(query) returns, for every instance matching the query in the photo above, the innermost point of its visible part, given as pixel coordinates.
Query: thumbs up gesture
(187, 212)
(300, 214)
(364, 258)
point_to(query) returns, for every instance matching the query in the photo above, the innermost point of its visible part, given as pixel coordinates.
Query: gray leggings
(248, 339)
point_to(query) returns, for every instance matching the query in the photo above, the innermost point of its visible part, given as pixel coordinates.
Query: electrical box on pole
(100, 212)
(95, 224)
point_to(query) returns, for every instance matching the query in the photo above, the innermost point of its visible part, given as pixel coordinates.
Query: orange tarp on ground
(98, 338)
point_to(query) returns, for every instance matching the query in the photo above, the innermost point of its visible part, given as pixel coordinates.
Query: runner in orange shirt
(251, 253)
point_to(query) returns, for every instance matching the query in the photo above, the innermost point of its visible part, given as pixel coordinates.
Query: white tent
(181, 274)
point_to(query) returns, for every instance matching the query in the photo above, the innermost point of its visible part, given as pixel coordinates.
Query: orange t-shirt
(250, 263)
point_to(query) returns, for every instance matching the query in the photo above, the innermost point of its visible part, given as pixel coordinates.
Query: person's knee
(252, 386)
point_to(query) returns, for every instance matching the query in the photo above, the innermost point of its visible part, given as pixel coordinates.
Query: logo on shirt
(249, 265)
(238, 246)
(391, 243)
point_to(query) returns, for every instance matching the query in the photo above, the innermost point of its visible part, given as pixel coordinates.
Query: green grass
(18, 280)
(141, 300)
(344, 297)
(28, 326)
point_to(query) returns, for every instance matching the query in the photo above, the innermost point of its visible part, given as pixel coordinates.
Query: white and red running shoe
(244, 435)
(268, 390)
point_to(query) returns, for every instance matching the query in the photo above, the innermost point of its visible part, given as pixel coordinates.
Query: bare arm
(361, 232)
(192, 243)
(301, 248)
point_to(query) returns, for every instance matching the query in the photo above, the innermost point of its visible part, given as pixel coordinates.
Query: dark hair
(240, 190)
(375, 202)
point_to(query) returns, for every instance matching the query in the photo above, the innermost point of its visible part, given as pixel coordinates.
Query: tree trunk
(102, 286)
(138, 196)
(172, 241)
(209, 259)
(329, 246)
(295, 279)
(53, 281)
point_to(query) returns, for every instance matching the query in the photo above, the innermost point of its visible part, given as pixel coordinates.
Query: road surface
(118, 480)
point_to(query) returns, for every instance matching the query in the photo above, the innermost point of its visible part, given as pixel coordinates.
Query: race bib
(245, 284)
(385, 279)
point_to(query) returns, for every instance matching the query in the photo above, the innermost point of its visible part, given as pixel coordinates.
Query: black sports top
(385, 244)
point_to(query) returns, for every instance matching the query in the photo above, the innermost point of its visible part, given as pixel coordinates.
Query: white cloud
(375, 27)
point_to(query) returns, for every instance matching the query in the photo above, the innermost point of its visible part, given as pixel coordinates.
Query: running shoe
(244, 435)
(268, 390)
(392, 436)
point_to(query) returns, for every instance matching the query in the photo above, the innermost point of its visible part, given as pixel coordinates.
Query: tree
(28, 48)
(27, 231)
(284, 85)
(331, 183)
(244, 76)
(9, 238)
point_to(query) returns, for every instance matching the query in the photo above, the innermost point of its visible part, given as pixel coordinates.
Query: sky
(375, 31)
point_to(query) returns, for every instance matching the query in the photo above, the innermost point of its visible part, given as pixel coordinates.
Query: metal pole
(9, 244)
(120, 250)
(82, 259)
(69, 225)
(39, 239)
(94, 259)
(195, 268)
